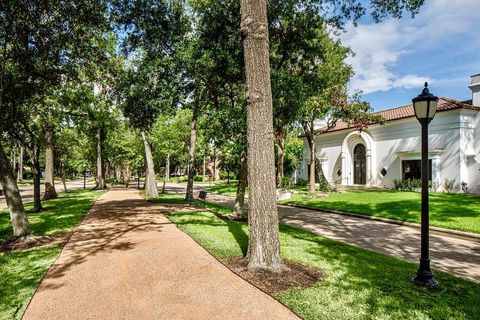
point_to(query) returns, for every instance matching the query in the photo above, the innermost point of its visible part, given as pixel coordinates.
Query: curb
(436, 230)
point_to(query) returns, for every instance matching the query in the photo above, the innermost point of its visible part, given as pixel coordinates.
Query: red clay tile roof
(444, 104)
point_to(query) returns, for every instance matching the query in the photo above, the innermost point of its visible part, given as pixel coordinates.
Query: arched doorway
(359, 164)
(351, 141)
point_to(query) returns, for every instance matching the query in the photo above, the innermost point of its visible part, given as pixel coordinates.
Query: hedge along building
(380, 154)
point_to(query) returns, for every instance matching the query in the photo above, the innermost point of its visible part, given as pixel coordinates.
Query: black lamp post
(425, 106)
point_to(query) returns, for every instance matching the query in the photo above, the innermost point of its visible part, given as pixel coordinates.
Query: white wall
(328, 146)
(474, 159)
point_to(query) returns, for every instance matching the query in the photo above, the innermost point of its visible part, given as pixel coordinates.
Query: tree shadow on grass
(59, 215)
(21, 273)
(382, 283)
(217, 220)
(235, 228)
(219, 212)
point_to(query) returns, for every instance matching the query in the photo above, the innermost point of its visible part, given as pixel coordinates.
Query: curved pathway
(127, 261)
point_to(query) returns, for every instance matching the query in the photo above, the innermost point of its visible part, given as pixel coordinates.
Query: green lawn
(358, 284)
(225, 189)
(22, 271)
(447, 210)
(60, 215)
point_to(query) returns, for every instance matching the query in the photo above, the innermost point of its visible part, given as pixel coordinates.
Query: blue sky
(394, 58)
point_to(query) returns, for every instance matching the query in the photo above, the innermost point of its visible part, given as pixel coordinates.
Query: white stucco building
(382, 153)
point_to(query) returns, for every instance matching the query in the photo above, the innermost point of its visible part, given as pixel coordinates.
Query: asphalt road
(27, 191)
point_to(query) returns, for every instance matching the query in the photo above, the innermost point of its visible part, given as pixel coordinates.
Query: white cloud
(410, 81)
(379, 47)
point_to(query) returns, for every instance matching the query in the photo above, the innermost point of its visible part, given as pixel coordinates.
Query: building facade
(380, 154)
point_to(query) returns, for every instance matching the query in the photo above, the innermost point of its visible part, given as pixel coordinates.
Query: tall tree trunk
(100, 170)
(309, 130)
(191, 153)
(151, 190)
(118, 173)
(242, 182)
(50, 192)
(204, 168)
(18, 217)
(126, 176)
(319, 174)
(167, 168)
(20, 165)
(280, 156)
(263, 245)
(14, 158)
(64, 180)
(214, 164)
(35, 155)
(311, 173)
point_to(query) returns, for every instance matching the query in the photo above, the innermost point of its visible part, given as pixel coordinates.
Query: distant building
(382, 153)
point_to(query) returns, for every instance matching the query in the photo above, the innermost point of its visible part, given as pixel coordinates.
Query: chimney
(475, 87)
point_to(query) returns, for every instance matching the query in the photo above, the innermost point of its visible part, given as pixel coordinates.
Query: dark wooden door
(359, 164)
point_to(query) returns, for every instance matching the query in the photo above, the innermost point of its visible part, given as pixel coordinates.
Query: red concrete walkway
(127, 261)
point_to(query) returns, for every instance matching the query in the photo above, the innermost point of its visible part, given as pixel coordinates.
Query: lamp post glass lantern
(425, 106)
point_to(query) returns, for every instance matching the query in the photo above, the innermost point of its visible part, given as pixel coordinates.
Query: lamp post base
(425, 276)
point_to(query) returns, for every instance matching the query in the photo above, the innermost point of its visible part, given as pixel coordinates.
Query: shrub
(115, 181)
(199, 178)
(302, 182)
(182, 179)
(325, 186)
(397, 184)
(285, 183)
(449, 185)
(225, 175)
(434, 186)
(407, 184)
(464, 187)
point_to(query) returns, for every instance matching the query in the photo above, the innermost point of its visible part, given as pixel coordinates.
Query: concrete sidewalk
(127, 261)
(450, 254)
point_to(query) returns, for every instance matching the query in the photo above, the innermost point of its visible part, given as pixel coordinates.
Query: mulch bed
(295, 275)
(29, 242)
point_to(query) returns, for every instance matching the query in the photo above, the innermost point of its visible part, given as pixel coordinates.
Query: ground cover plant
(22, 270)
(357, 283)
(447, 210)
